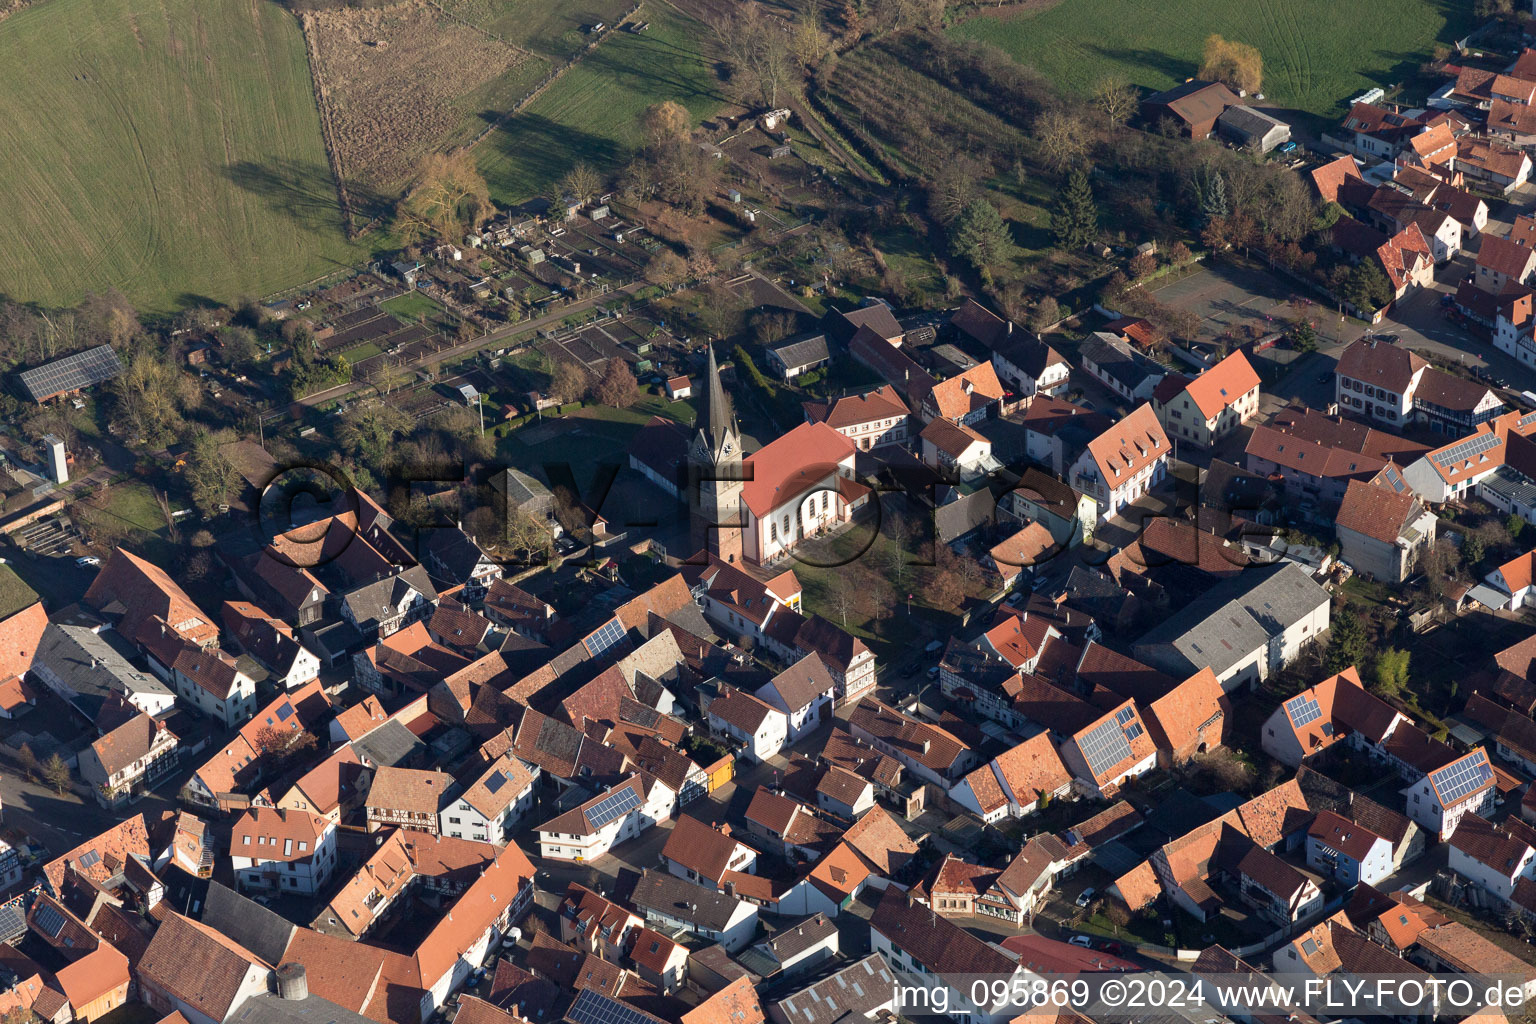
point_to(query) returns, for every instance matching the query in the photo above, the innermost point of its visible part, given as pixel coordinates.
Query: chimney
(292, 983)
(926, 745)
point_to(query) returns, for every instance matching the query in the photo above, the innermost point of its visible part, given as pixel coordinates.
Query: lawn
(170, 150)
(592, 113)
(411, 305)
(1317, 53)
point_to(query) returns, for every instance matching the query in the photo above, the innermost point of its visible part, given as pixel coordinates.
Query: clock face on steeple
(727, 448)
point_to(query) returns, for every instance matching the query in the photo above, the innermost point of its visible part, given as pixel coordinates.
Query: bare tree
(1116, 100)
(1063, 138)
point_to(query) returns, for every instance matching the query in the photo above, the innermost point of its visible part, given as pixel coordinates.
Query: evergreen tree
(1075, 220)
(1366, 287)
(1213, 197)
(1346, 642)
(981, 236)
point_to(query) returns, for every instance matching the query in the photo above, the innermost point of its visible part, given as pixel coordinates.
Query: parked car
(88, 561)
(1287, 147)
(934, 647)
(933, 671)
(1113, 948)
(1081, 940)
(1086, 896)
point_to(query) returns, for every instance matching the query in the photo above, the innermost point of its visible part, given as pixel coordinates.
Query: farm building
(72, 373)
(1252, 129)
(800, 354)
(679, 388)
(1194, 106)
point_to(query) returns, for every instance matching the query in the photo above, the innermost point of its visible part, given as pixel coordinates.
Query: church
(759, 507)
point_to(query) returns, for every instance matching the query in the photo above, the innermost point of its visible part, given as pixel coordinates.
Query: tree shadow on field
(1165, 63)
(298, 190)
(532, 151)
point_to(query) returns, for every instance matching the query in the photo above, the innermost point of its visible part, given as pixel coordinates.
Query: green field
(1317, 53)
(412, 305)
(169, 149)
(592, 112)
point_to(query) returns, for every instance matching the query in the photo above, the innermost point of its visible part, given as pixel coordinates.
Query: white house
(1515, 578)
(1347, 852)
(206, 678)
(677, 904)
(587, 832)
(282, 850)
(132, 758)
(1493, 858)
(491, 808)
(955, 446)
(1013, 783)
(1206, 409)
(1440, 799)
(875, 419)
(703, 854)
(803, 692)
(760, 726)
(1123, 463)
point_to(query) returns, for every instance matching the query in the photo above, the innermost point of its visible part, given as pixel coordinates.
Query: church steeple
(715, 472)
(719, 437)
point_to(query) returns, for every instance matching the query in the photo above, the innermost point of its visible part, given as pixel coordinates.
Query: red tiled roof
(1331, 175)
(1129, 446)
(1377, 512)
(964, 393)
(788, 466)
(1505, 257)
(880, 404)
(1223, 384)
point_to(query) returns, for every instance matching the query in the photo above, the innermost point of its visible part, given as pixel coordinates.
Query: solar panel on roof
(1124, 715)
(13, 923)
(1303, 710)
(592, 1007)
(495, 782)
(1457, 780)
(610, 633)
(81, 370)
(284, 712)
(49, 919)
(612, 806)
(90, 859)
(1468, 448)
(1105, 746)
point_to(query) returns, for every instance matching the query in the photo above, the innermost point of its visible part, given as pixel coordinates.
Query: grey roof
(391, 745)
(377, 600)
(271, 1008)
(802, 350)
(1252, 123)
(456, 552)
(1119, 360)
(81, 370)
(677, 898)
(1513, 487)
(91, 665)
(857, 990)
(1233, 618)
(719, 418)
(789, 942)
(954, 519)
(521, 489)
(247, 922)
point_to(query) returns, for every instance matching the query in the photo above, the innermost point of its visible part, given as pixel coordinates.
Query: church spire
(721, 422)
